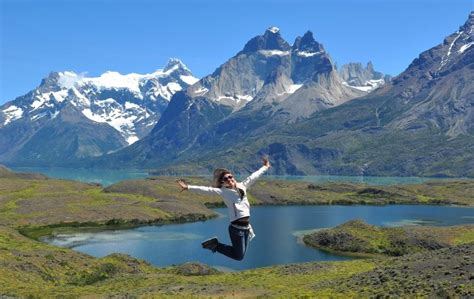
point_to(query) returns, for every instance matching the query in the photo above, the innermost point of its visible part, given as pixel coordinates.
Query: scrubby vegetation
(435, 192)
(31, 268)
(356, 236)
(35, 205)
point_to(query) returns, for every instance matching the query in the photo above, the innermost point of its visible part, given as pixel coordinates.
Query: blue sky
(39, 36)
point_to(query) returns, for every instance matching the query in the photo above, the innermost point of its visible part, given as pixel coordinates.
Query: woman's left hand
(182, 184)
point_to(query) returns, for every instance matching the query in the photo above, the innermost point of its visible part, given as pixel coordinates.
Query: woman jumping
(235, 198)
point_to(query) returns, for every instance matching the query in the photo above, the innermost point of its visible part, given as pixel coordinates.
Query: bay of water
(277, 229)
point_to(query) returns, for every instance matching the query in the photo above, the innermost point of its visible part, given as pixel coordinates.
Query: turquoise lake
(277, 230)
(277, 227)
(107, 177)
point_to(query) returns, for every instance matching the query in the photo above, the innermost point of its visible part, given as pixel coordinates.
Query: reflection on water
(277, 229)
(410, 222)
(78, 239)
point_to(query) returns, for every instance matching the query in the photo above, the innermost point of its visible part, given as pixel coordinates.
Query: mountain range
(287, 101)
(70, 116)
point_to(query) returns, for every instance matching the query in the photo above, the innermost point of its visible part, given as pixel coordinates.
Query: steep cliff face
(267, 84)
(364, 79)
(419, 123)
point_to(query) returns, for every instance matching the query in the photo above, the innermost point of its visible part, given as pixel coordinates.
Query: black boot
(210, 244)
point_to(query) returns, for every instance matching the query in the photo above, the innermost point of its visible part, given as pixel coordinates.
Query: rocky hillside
(267, 84)
(419, 124)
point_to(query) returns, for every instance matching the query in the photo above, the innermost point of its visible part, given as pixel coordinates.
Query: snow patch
(39, 115)
(12, 113)
(94, 117)
(274, 52)
(60, 96)
(273, 29)
(43, 99)
(201, 91)
(115, 80)
(294, 87)
(173, 87)
(290, 89)
(177, 65)
(368, 86)
(445, 58)
(55, 114)
(188, 79)
(236, 98)
(452, 43)
(132, 139)
(365, 88)
(69, 79)
(106, 102)
(465, 47)
(129, 105)
(39, 101)
(247, 98)
(307, 54)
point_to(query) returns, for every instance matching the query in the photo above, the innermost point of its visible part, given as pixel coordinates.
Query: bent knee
(240, 256)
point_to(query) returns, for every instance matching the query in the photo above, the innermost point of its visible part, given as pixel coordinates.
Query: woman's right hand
(182, 184)
(266, 162)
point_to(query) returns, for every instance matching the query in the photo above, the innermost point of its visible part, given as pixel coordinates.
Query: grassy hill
(31, 206)
(356, 236)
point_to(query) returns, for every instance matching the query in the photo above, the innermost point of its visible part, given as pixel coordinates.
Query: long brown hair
(219, 174)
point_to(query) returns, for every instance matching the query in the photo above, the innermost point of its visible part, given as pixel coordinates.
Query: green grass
(35, 207)
(357, 236)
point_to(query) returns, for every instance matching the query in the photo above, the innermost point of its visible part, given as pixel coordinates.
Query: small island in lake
(33, 205)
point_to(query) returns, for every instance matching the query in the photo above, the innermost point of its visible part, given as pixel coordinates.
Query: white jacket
(237, 207)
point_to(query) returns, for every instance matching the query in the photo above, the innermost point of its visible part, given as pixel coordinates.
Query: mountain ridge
(418, 124)
(122, 108)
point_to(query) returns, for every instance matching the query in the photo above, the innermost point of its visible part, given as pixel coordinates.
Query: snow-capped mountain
(268, 83)
(268, 70)
(238, 81)
(131, 104)
(419, 123)
(365, 79)
(121, 108)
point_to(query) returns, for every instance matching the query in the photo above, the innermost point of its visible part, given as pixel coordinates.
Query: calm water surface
(277, 230)
(108, 177)
(104, 177)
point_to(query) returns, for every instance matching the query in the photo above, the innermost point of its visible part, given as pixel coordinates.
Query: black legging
(239, 239)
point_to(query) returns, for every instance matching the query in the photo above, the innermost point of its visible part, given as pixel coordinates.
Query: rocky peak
(439, 60)
(307, 43)
(469, 23)
(50, 83)
(365, 79)
(370, 67)
(270, 40)
(175, 64)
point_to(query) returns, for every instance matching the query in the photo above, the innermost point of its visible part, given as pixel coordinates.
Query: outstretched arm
(199, 189)
(250, 180)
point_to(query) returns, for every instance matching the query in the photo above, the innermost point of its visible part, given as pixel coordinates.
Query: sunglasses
(226, 178)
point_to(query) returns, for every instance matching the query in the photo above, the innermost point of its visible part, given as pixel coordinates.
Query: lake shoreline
(32, 202)
(39, 232)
